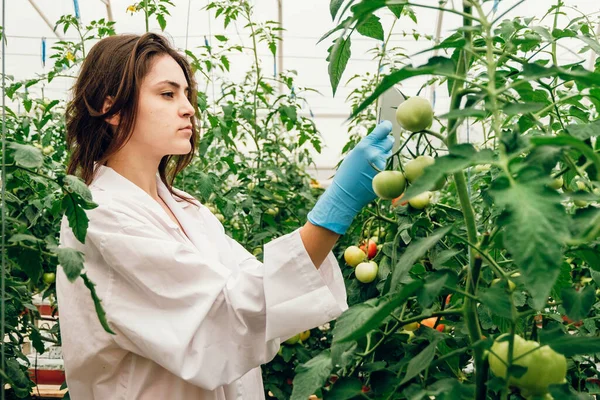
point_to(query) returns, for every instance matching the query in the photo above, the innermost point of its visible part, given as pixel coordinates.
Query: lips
(187, 129)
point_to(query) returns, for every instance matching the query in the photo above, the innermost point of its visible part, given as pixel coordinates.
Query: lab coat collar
(110, 180)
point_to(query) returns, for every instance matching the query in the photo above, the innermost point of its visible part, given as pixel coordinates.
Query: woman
(194, 315)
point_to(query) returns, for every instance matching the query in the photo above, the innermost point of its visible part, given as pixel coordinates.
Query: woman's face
(163, 123)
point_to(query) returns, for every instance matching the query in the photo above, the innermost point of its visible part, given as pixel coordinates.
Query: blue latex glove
(352, 187)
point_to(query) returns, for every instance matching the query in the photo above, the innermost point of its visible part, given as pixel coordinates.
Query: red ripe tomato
(430, 322)
(369, 248)
(571, 322)
(397, 201)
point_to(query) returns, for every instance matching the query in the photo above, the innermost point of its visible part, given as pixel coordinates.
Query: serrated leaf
(460, 157)
(21, 237)
(536, 230)
(432, 288)
(339, 54)
(71, 261)
(564, 140)
(78, 220)
(27, 156)
(346, 388)
(311, 376)
(442, 66)
(578, 303)
(420, 361)
(497, 300)
(584, 131)
(75, 185)
(362, 318)
(97, 304)
(371, 27)
(414, 252)
(29, 261)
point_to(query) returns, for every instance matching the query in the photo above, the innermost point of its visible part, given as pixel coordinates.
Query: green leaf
(29, 261)
(522, 108)
(346, 388)
(535, 71)
(578, 304)
(334, 7)
(464, 112)
(460, 157)
(420, 361)
(497, 300)
(78, 220)
(27, 156)
(339, 54)
(21, 237)
(584, 131)
(161, 21)
(342, 25)
(396, 9)
(97, 304)
(535, 229)
(311, 376)
(74, 184)
(436, 65)
(569, 345)
(414, 252)
(371, 27)
(589, 255)
(71, 261)
(18, 380)
(454, 41)
(593, 44)
(564, 140)
(432, 288)
(362, 318)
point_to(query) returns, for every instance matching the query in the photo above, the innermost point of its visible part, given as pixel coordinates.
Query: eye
(168, 94)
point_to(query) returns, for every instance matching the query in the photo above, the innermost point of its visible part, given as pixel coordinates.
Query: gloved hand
(352, 187)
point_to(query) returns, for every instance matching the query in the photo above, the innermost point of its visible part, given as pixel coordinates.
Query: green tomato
(415, 114)
(420, 201)
(544, 366)
(49, 278)
(366, 272)
(48, 150)
(511, 285)
(580, 203)
(272, 211)
(389, 184)
(569, 84)
(415, 168)
(354, 256)
(482, 167)
(293, 340)
(304, 336)
(557, 183)
(220, 217)
(581, 185)
(411, 327)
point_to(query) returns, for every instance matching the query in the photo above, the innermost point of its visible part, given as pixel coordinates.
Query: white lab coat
(194, 318)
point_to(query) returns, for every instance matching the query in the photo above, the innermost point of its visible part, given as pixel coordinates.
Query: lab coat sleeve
(183, 309)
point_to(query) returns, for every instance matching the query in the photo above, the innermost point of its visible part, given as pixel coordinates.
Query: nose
(187, 110)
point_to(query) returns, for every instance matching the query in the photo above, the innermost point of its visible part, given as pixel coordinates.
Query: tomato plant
(509, 223)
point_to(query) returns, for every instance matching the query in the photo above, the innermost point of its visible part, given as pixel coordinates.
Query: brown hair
(115, 67)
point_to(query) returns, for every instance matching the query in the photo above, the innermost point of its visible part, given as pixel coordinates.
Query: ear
(114, 119)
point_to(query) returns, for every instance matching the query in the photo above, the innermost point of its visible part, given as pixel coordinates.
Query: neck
(138, 169)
